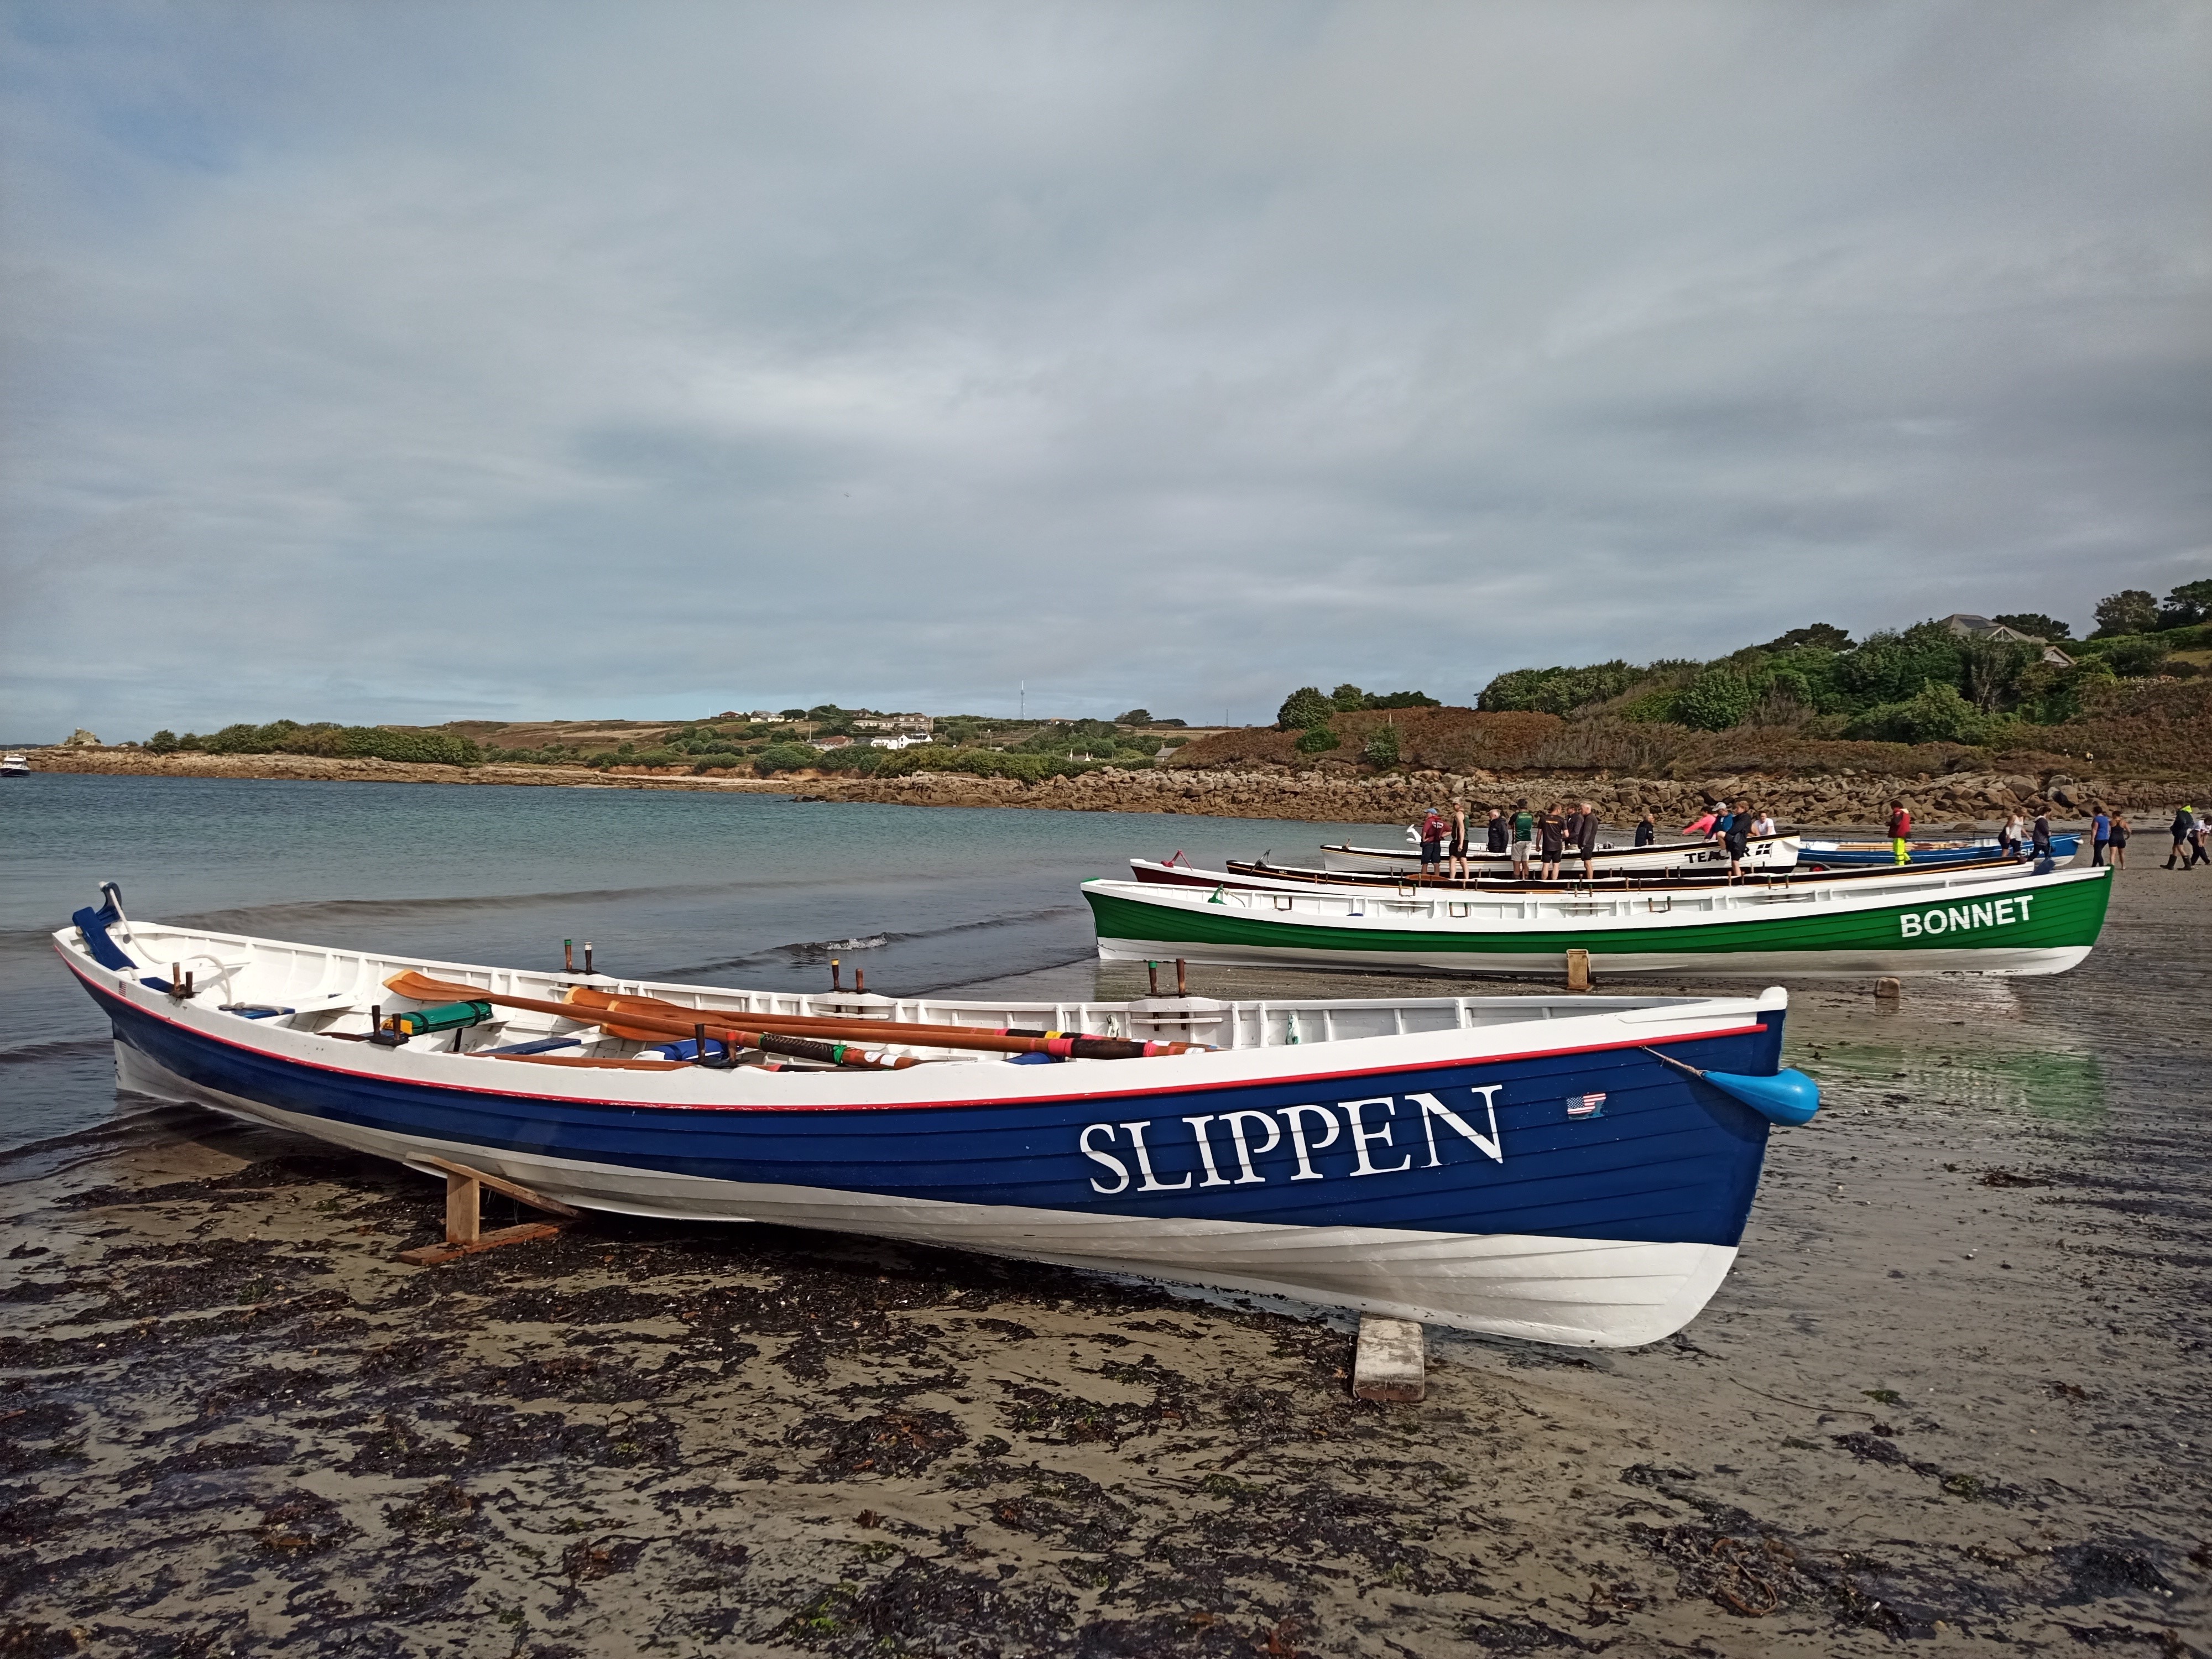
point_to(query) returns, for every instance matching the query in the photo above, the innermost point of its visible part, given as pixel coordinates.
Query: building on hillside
(839, 742)
(919, 724)
(1981, 628)
(904, 740)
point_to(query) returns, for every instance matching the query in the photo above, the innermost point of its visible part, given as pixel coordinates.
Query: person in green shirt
(1524, 839)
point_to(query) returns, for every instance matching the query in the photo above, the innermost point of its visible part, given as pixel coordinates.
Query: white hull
(1576, 1292)
(1760, 966)
(1764, 853)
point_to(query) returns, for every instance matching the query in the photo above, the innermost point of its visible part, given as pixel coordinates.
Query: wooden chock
(1391, 1362)
(464, 1233)
(1579, 977)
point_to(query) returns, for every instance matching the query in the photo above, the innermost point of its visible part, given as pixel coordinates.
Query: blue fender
(1788, 1097)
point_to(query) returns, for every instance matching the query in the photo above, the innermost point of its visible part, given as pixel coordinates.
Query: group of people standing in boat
(1540, 841)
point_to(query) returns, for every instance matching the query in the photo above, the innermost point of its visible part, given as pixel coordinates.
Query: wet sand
(1955, 1391)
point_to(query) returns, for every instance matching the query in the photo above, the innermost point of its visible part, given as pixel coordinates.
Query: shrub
(1716, 700)
(1553, 690)
(1315, 739)
(1303, 709)
(786, 758)
(2134, 658)
(1381, 747)
(163, 742)
(1653, 707)
(1936, 713)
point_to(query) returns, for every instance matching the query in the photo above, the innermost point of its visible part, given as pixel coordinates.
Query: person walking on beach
(2100, 836)
(2198, 833)
(1647, 829)
(1432, 842)
(1497, 834)
(2008, 837)
(1458, 853)
(2039, 835)
(1586, 839)
(2184, 822)
(1553, 829)
(1524, 839)
(2120, 841)
(1900, 831)
(1737, 837)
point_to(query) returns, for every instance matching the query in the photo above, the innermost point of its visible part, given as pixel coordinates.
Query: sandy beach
(1955, 1392)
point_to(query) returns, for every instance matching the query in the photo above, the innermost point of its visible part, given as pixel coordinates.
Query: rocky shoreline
(1316, 796)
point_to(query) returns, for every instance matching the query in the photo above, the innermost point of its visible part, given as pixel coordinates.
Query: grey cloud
(376, 363)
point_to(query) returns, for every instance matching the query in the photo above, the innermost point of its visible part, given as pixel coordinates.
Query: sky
(406, 362)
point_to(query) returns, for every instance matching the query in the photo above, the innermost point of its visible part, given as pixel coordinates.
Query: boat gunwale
(1033, 1087)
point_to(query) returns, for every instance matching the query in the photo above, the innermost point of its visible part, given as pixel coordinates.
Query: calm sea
(727, 889)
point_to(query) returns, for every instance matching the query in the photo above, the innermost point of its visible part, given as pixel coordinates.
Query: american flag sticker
(1585, 1105)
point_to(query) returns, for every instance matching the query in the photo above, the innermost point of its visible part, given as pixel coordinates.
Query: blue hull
(1852, 857)
(1477, 1148)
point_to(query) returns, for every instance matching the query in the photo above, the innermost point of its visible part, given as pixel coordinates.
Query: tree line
(1920, 684)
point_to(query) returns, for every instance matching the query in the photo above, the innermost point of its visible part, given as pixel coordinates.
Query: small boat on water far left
(15, 766)
(1575, 1169)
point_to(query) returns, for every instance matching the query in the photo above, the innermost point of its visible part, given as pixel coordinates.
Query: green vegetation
(325, 738)
(1920, 684)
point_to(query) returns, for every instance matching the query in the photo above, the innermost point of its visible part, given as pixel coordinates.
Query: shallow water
(728, 889)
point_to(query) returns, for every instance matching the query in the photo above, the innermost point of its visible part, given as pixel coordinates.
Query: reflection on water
(2054, 1084)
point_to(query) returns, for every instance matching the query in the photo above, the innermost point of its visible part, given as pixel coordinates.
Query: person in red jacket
(1900, 831)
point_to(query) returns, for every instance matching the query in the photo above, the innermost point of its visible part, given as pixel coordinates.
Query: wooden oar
(656, 1029)
(1074, 1044)
(654, 1018)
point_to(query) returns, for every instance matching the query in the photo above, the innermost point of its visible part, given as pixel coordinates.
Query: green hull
(1977, 930)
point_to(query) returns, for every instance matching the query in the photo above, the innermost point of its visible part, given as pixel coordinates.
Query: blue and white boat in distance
(1573, 1169)
(1859, 855)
